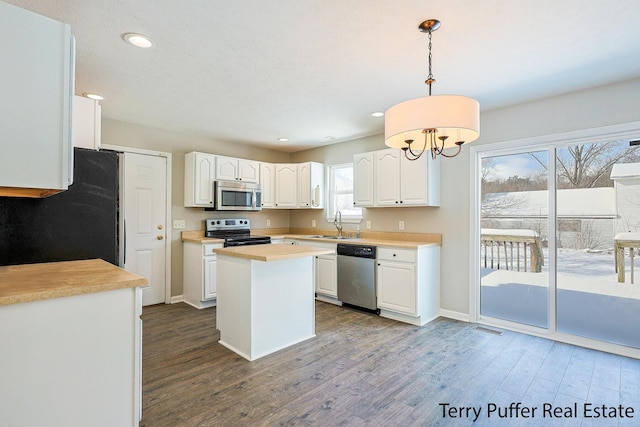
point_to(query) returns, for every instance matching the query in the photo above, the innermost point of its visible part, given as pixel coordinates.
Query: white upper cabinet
(310, 185)
(420, 181)
(87, 123)
(393, 180)
(286, 185)
(232, 169)
(387, 177)
(363, 179)
(37, 86)
(268, 183)
(199, 174)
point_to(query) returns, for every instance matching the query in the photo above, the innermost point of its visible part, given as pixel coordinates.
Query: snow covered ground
(590, 301)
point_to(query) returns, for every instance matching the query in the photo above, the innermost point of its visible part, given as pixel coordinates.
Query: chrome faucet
(337, 221)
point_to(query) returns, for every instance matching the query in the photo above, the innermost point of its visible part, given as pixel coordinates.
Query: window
(340, 194)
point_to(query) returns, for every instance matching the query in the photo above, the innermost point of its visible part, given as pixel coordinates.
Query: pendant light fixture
(432, 123)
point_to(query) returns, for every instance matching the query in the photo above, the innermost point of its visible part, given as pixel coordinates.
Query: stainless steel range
(235, 232)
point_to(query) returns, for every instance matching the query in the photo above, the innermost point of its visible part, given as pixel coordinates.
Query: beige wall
(130, 135)
(607, 105)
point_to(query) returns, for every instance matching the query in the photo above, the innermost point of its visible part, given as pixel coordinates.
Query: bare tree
(589, 165)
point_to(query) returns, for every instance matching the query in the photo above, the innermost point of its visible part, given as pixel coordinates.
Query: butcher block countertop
(35, 282)
(272, 252)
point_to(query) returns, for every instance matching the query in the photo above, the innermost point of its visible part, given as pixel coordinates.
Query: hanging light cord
(430, 134)
(430, 78)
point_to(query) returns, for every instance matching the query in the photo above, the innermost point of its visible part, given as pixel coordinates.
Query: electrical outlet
(313, 223)
(401, 225)
(179, 224)
(268, 223)
(368, 225)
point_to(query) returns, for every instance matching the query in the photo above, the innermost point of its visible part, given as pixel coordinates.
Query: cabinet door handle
(394, 254)
(396, 201)
(401, 201)
(378, 264)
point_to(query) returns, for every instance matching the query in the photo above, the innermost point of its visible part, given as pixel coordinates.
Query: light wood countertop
(198, 237)
(272, 252)
(35, 282)
(390, 239)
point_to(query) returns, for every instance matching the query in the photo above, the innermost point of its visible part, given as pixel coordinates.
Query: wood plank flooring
(364, 370)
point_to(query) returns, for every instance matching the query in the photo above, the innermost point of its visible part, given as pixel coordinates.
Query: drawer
(396, 254)
(208, 248)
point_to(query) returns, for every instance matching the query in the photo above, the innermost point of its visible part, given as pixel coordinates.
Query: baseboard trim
(463, 317)
(177, 298)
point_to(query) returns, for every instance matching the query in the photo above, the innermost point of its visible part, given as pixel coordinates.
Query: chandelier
(432, 123)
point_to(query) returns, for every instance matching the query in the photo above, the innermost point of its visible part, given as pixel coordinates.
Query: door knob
(160, 237)
(160, 226)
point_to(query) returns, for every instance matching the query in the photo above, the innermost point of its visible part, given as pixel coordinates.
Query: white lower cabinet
(397, 286)
(408, 283)
(199, 274)
(326, 270)
(327, 275)
(72, 361)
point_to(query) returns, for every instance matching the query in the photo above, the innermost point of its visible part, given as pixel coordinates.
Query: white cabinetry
(326, 271)
(310, 185)
(199, 174)
(387, 178)
(77, 359)
(232, 169)
(36, 100)
(268, 183)
(199, 274)
(286, 185)
(363, 179)
(87, 123)
(408, 283)
(327, 275)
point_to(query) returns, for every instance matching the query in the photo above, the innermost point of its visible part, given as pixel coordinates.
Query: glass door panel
(598, 225)
(514, 219)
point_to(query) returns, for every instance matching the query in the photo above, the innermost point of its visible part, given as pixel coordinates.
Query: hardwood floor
(364, 370)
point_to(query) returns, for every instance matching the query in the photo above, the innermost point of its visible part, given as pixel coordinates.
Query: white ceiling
(252, 71)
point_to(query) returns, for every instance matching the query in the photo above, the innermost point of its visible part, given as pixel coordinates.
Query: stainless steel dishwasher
(357, 275)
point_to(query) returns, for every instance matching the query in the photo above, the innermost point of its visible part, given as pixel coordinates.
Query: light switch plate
(401, 225)
(313, 222)
(179, 224)
(268, 223)
(368, 225)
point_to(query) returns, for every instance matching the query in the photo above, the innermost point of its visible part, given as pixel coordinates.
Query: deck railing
(626, 243)
(521, 249)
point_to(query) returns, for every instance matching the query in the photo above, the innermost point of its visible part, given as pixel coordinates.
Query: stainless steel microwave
(237, 196)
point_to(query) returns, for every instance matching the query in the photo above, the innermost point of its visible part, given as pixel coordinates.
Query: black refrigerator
(80, 223)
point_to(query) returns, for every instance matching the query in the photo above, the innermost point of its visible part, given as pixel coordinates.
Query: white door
(145, 222)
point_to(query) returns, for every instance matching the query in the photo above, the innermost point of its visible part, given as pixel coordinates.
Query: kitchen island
(71, 344)
(265, 297)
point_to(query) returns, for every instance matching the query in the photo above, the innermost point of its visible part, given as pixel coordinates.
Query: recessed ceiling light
(93, 96)
(377, 114)
(283, 139)
(138, 40)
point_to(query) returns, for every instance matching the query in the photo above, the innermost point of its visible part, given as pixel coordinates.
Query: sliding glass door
(598, 209)
(514, 221)
(584, 282)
